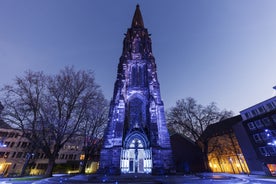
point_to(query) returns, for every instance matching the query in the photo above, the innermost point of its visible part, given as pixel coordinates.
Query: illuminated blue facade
(136, 139)
(259, 138)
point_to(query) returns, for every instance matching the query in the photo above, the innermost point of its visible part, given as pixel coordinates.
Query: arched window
(134, 76)
(138, 75)
(137, 113)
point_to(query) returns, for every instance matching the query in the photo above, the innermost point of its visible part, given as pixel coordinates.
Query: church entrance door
(136, 158)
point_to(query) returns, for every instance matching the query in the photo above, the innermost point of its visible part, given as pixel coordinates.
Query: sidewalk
(157, 179)
(241, 176)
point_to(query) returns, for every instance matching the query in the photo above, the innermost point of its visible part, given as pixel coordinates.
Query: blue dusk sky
(221, 51)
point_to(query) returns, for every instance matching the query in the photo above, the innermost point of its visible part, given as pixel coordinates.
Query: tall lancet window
(138, 75)
(134, 73)
(136, 113)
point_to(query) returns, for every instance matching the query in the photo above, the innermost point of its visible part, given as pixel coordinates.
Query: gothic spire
(137, 20)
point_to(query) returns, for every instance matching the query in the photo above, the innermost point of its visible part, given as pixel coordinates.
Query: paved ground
(203, 178)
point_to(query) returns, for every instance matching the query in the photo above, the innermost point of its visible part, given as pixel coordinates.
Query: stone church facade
(136, 139)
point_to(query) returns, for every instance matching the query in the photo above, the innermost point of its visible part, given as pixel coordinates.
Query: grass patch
(27, 179)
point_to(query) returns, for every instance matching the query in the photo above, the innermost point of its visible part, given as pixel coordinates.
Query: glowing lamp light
(3, 145)
(272, 143)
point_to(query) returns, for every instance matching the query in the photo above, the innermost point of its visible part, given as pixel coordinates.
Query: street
(206, 178)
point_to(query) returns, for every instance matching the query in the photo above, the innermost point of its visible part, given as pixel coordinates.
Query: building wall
(15, 152)
(259, 122)
(187, 155)
(248, 151)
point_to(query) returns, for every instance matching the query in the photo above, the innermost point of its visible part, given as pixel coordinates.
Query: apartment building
(15, 153)
(259, 122)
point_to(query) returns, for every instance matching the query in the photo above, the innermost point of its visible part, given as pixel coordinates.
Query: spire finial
(137, 20)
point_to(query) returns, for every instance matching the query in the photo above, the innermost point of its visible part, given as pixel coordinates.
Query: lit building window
(265, 135)
(272, 168)
(271, 150)
(82, 157)
(226, 155)
(263, 151)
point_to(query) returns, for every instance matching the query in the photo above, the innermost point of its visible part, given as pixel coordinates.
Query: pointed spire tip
(137, 20)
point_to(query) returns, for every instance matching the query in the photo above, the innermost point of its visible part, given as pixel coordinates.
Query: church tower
(136, 139)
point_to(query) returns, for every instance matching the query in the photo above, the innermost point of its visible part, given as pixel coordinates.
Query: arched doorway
(136, 154)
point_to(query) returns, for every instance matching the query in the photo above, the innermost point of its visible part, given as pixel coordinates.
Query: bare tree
(93, 129)
(22, 104)
(191, 119)
(51, 107)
